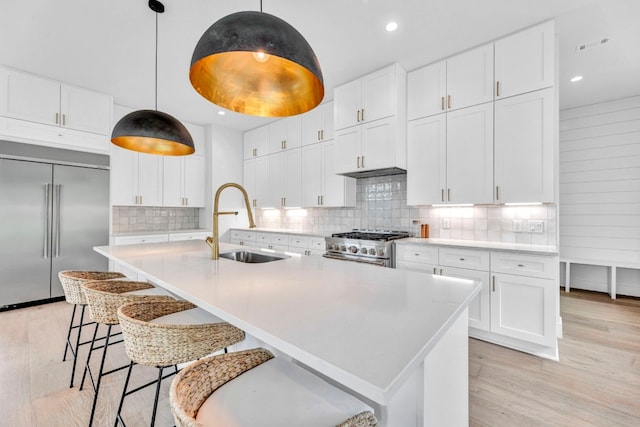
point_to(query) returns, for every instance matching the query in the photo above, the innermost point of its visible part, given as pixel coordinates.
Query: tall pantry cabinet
(476, 138)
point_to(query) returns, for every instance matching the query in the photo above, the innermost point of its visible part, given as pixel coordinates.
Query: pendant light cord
(156, 71)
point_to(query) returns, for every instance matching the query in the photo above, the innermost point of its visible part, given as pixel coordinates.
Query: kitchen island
(398, 340)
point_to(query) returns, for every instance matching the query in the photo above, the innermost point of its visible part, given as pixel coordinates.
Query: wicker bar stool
(72, 281)
(103, 299)
(253, 388)
(167, 333)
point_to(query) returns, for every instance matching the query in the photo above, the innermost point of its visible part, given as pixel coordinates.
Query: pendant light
(152, 131)
(257, 64)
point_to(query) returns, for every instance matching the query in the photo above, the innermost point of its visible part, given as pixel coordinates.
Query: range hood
(375, 172)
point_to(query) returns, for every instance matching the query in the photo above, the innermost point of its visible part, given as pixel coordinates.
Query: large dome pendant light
(152, 131)
(257, 64)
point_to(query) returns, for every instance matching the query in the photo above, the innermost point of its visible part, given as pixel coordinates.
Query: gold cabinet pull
(442, 194)
(319, 136)
(498, 88)
(64, 120)
(449, 101)
(362, 115)
(57, 117)
(448, 194)
(493, 284)
(442, 108)
(358, 162)
(322, 200)
(362, 161)
(434, 270)
(358, 116)
(497, 193)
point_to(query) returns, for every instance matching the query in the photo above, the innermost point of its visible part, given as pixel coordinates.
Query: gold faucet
(214, 241)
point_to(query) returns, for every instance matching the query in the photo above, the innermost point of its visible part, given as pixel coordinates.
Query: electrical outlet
(446, 223)
(536, 226)
(517, 226)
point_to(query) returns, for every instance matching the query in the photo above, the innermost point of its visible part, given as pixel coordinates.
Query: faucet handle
(209, 241)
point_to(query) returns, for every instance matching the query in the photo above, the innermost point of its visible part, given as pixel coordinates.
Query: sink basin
(251, 257)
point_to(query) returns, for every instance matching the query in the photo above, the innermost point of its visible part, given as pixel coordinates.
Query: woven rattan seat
(72, 281)
(290, 394)
(161, 344)
(103, 299)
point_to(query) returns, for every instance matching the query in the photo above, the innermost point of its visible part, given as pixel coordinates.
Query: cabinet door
(312, 171)
(337, 190)
(194, 181)
(85, 110)
(470, 155)
(347, 149)
(470, 78)
(249, 180)
(347, 99)
(277, 179)
(426, 160)
(379, 94)
(480, 307)
(524, 61)
(256, 142)
(173, 181)
(427, 91)
(262, 182)
(27, 97)
(317, 124)
(293, 178)
(149, 179)
(524, 148)
(378, 144)
(123, 176)
(524, 308)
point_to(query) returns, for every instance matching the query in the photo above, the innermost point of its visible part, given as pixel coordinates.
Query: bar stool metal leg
(66, 347)
(97, 387)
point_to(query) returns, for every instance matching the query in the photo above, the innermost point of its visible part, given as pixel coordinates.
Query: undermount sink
(251, 257)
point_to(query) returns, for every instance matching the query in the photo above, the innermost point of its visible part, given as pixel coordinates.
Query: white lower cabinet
(518, 303)
(297, 243)
(243, 237)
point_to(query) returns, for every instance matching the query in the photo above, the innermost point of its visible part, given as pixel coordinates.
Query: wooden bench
(612, 265)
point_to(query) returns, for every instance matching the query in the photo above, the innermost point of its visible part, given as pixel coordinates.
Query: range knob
(372, 251)
(363, 250)
(353, 249)
(380, 252)
(343, 248)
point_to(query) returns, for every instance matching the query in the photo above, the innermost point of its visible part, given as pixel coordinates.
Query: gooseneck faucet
(214, 241)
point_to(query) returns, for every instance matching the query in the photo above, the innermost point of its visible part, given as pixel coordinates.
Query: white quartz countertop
(478, 244)
(366, 327)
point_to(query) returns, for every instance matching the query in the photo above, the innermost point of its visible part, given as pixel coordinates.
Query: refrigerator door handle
(57, 214)
(47, 231)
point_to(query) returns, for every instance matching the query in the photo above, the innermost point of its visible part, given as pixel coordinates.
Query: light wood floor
(596, 382)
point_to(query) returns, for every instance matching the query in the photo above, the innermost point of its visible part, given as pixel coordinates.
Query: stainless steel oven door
(382, 262)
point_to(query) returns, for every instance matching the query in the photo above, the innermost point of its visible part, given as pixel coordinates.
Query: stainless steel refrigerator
(51, 217)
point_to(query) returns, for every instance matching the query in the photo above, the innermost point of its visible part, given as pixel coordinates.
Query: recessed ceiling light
(576, 79)
(222, 113)
(391, 26)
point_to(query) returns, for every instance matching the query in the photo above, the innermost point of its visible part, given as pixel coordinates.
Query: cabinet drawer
(132, 240)
(174, 237)
(263, 238)
(243, 235)
(524, 264)
(417, 254)
(299, 242)
(318, 244)
(280, 239)
(465, 258)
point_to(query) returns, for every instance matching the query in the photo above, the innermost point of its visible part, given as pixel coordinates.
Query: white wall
(600, 192)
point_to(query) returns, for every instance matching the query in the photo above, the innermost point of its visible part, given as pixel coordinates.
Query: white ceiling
(109, 45)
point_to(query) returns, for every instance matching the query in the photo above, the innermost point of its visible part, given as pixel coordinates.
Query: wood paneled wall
(600, 190)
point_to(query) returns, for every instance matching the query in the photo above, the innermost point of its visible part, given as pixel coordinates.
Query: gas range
(367, 246)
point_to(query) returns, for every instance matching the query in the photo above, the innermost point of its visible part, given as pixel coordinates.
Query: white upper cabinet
(321, 187)
(369, 98)
(28, 97)
(451, 157)
(524, 61)
(317, 124)
(285, 134)
(524, 148)
(285, 179)
(256, 180)
(256, 142)
(470, 78)
(457, 82)
(427, 91)
(136, 178)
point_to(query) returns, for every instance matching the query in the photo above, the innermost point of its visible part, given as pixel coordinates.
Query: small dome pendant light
(257, 64)
(152, 131)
